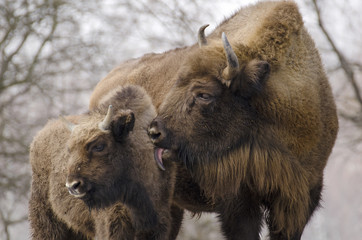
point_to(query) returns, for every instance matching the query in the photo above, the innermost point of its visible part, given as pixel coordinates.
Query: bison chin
(208, 163)
(192, 155)
(193, 151)
(132, 194)
(196, 158)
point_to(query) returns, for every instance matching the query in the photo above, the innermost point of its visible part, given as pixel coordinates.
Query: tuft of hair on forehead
(133, 97)
(211, 60)
(87, 130)
(208, 60)
(129, 97)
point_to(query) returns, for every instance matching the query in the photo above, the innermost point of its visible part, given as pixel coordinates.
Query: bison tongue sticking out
(162, 145)
(158, 157)
(161, 154)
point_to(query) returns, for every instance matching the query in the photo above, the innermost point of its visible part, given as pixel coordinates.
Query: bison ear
(122, 124)
(251, 78)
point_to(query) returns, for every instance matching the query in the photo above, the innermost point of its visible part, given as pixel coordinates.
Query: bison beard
(196, 156)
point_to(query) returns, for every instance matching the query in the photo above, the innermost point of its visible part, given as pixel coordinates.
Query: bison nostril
(77, 188)
(156, 131)
(74, 185)
(153, 133)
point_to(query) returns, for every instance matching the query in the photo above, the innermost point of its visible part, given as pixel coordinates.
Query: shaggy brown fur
(127, 196)
(259, 139)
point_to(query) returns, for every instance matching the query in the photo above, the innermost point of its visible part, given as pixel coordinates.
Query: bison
(93, 175)
(249, 114)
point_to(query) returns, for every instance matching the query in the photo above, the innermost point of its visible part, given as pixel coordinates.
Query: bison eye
(98, 147)
(204, 96)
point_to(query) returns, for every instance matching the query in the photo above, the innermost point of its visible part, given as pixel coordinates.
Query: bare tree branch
(8, 222)
(345, 65)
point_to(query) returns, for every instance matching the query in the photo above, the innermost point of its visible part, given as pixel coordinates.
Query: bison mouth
(78, 188)
(161, 155)
(76, 194)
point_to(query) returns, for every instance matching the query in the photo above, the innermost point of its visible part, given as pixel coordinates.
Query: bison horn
(67, 123)
(201, 35)
(104, 125)
(232, 59)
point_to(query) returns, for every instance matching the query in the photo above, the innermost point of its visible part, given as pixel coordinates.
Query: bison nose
(75, 187)
(155, 131)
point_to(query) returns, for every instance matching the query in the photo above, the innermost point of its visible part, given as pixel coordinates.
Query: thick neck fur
(261, 164)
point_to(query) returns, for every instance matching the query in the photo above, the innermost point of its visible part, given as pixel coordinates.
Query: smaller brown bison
(94, 174)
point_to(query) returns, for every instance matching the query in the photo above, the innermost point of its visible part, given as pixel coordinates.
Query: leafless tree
(348, 64)
(40, 53)
(335, 27)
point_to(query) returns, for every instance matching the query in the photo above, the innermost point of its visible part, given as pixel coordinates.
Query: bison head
(209, 112)
(108, 155)
(99, 156)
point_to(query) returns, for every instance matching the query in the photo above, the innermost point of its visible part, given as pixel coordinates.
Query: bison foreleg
(241, 217)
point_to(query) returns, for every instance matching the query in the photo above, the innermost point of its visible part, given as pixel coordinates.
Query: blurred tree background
(53, 52)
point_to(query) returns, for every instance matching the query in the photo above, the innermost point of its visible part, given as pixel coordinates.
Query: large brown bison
(95, 176)
(251, 117)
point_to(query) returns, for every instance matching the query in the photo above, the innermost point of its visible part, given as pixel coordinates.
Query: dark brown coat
(120, 192)
(257, 138)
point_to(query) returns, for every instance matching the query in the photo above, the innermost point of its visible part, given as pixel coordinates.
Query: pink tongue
(158, 158)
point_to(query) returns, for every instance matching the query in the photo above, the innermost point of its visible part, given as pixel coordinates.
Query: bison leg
(177, 217)
(282, 236)
(43, 221)
(315, 196)
(241, 218)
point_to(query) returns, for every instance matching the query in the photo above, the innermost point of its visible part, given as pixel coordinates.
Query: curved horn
(201, 35)
(232, 59)
(67, 123)
(104, 125)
